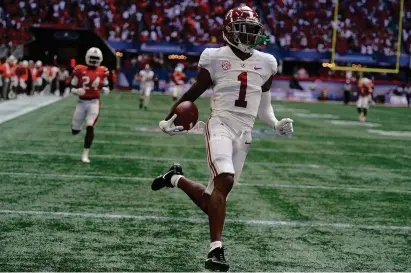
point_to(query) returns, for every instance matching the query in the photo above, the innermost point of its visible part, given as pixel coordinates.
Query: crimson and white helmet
(39, 64)
(178, 69)
(243, 29)
(25, 64)
(94, 57)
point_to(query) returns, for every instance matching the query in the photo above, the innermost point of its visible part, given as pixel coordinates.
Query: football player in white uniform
(146, 85)
(365, 87)
(241, 79)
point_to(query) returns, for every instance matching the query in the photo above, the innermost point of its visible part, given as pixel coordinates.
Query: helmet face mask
(246, 33)
(93, 61)
(242, 29)
(94, 57)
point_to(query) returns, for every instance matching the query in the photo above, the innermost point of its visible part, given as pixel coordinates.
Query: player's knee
(90, 130)
(75, 132)
(224, 183)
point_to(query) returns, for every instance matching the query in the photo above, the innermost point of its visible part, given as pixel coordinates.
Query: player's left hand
(284, 127)
(78, 91)
(168, 127)
(105, 90)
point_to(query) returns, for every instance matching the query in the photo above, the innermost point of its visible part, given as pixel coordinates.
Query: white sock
(174, 179)
(85, 152)
(215, 245)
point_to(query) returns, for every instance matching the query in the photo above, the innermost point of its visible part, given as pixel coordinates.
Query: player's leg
(365, 106)
(211, 200)
(241, 147)
(93, 111)
(142, 90)
(175, 92)
(147, 94)
(359, 108)
(219, 142)
(78, 118)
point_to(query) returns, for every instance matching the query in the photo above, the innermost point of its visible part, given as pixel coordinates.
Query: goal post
(356, 68)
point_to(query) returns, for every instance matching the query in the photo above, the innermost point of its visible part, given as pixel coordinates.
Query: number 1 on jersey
(241, 102)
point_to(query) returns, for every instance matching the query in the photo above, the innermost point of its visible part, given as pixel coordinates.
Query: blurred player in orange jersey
(87, 83)
(22, 74)
(365, 88)
(8, 76)
(178, 79)
(36, 73)
(2, 67)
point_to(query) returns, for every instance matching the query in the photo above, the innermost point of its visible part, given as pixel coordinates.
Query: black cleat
(216, 260)
(165, 179)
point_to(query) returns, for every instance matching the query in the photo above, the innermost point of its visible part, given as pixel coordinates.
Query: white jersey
(64, 75)
(236, 83)
(147, 77)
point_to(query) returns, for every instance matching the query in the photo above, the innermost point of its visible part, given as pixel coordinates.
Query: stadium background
(164, 33)
(334, 197)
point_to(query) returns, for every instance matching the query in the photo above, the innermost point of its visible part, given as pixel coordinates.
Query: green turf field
(331, 198)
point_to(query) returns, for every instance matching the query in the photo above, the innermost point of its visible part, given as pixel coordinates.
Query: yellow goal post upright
(356, 68)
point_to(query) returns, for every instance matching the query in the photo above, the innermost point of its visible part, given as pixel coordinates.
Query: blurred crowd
(364, 26)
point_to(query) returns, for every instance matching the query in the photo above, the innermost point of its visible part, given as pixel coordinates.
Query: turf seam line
(204, 220)
(191, 160)
(314, 187)
(201, 146)
(154, 158)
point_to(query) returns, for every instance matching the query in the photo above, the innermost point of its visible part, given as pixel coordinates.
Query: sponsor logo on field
(353, 123)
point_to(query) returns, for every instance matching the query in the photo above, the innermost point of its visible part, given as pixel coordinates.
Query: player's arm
(195, 91)
(74, 82)
(283, 127)
(105, 87)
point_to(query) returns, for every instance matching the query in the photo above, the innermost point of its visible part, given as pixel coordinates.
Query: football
(187, 115)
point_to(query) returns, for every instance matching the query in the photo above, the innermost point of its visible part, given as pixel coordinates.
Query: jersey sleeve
(273, 64)
(205, 60)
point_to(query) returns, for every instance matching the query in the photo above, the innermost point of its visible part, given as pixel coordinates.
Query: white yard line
(204, 220)
(251, 184)
(175, 159)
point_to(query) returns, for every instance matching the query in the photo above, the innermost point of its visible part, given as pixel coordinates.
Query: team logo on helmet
(226, 65)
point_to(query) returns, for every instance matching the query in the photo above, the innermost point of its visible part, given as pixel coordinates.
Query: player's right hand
(284, 127)
(78, 91)
(168, 127)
